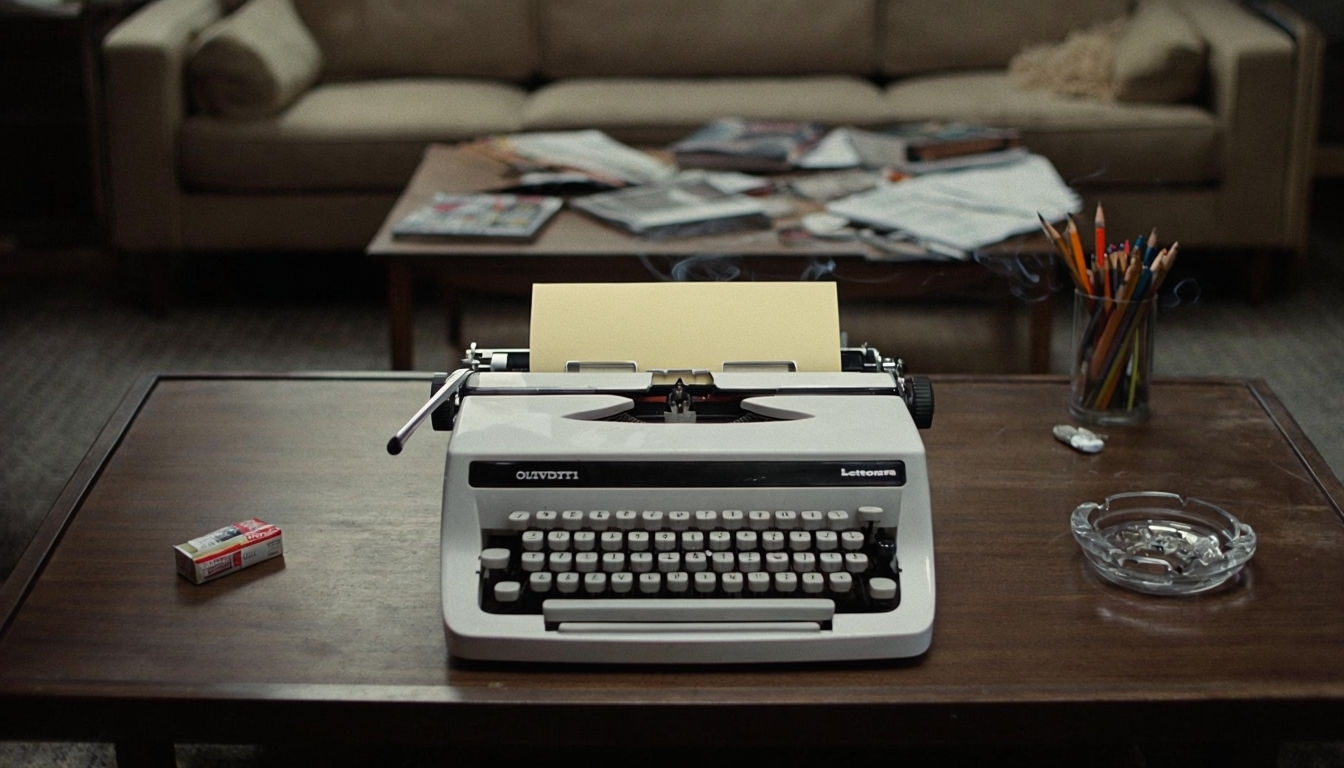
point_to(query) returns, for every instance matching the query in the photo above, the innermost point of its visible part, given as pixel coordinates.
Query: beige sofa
(293, 124)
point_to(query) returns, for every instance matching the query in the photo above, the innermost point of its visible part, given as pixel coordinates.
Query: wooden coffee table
(575, 247)
(341, 641)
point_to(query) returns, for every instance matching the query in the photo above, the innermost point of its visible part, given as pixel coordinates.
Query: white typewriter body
(555, 443)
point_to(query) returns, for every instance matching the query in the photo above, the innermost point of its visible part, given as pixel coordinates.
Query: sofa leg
(1259, 273)
(150, 279)
(145, 755)
(453, 308)
(401, 315)
(449, 299)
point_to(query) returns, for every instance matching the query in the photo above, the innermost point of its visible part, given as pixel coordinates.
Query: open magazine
(480, 215)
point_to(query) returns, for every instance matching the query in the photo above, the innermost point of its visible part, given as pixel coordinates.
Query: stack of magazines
(687, 205)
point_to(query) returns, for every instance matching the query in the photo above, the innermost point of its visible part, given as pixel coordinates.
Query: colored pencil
(1099, 231)
(1076, 248)
(1065, 253)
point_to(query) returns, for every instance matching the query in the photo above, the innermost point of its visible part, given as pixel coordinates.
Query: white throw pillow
(1160, 57)
(254, 62)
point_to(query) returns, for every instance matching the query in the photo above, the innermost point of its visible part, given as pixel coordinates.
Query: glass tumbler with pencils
(1112, 358)
(1114, 316)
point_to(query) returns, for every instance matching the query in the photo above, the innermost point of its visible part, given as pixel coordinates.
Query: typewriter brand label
(684, 474)
(887, 472)
(547, 474)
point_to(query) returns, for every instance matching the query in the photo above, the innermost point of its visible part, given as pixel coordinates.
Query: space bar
(709, 609)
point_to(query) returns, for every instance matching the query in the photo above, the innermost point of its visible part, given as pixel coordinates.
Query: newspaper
(588, 151)
(758, 146)
(966, 209)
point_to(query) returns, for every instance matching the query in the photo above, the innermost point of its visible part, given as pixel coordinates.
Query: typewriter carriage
(672, 387)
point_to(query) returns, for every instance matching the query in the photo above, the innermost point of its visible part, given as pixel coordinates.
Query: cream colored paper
(693, 325)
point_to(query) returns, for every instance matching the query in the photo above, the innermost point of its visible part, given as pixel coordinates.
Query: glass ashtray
(1162, 543)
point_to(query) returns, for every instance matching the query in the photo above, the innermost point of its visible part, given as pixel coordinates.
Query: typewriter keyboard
(713, 557)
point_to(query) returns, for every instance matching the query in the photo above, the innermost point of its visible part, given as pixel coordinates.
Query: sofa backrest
(689, 38)
(520, 39)
(467, 38)
(928, 35)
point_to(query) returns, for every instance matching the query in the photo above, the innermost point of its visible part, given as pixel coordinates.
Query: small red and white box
(231, 548)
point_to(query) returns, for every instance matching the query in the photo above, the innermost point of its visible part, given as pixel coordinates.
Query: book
(759, 146)
(939, 140)
(926, 147)
(687, 205)
(480, 215)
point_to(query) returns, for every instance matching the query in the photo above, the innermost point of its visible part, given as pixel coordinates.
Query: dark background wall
(1328, 17)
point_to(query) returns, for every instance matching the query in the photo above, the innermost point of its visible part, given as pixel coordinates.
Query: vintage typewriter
(751, 514)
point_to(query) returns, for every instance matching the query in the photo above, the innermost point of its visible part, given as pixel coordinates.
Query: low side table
(575, 248)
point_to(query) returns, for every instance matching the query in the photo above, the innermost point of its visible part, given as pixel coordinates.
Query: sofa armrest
(1307, 93)
(144, 59)
(1255, 87)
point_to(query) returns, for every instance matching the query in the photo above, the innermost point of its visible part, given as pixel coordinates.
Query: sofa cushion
(1160, 57)
(344, 136)
(393, 38)
(690, 38)
(921, 36)
(662, 110)
(1091, 142)
(253, 62)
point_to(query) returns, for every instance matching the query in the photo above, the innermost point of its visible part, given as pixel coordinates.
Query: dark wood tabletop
(342, 638)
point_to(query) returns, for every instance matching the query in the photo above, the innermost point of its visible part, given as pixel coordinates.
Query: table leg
(400, 315)
(453, 311)
(1042, 326)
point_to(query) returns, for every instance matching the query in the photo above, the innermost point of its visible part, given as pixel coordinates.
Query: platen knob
(440, 418)
(919, 398)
